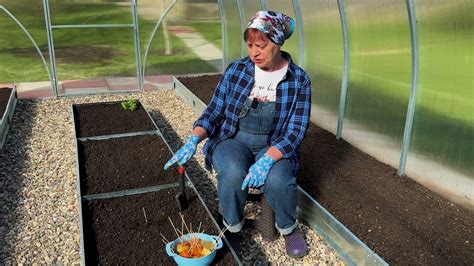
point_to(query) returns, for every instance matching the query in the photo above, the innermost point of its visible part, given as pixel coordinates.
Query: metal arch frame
(30, 37)
(136, 41)
(158, 23)
(52, 56)
(49, 31)
(223, 33)
(52, 74)
(345, 74)
(413, 86)
(264, 4)
(299, 21)
(242, 27)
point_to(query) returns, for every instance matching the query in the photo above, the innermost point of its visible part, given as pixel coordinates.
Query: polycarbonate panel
(87, 59)
(323, 57)
(86, 12)
(379, 78)
(250, 7)
(233, 31)
(175, 48)
(286, 7)
(442, 144)
(192, 9)
(19, 59)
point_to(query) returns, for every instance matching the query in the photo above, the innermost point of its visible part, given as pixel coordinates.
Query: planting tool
(181, 196)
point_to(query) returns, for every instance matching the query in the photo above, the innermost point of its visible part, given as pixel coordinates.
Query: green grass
(210, 30)
(87, 53)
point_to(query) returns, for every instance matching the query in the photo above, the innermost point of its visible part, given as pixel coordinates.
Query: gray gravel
(38, 193)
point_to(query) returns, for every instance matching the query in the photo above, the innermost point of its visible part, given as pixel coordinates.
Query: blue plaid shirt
(292, 108)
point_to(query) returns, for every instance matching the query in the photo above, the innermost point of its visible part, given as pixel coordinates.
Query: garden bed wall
(395, 216)
(7, 108)
(125, 198)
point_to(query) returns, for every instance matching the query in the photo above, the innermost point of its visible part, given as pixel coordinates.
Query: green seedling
(129, 105)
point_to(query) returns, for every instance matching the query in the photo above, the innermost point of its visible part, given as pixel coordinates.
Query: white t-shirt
(264, 88)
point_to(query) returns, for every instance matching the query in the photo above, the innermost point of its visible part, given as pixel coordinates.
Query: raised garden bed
(117, 232)
(100, 119)
(5, 94)
(123, 163)
(399, 219)
(205, 84)
(7, 107)
(125, 198)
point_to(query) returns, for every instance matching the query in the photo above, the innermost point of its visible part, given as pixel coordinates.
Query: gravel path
(38, 199)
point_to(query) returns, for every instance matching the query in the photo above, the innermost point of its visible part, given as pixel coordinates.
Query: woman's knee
(281, 177)
(231, 161)
(232, 172)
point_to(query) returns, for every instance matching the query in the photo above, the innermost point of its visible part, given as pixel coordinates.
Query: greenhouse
(370, 135)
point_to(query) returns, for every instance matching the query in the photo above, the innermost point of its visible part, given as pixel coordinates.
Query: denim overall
(255, 124)
(232, 159)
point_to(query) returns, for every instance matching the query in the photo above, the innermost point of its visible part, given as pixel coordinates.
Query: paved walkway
(42, 89)
(201, 47)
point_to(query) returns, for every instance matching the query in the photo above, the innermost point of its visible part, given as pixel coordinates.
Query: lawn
(86, 52)
(210, 30)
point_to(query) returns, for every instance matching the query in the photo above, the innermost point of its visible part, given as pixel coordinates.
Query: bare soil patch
(98, 119)
(4, 97)
(123, 163)
(116, 232)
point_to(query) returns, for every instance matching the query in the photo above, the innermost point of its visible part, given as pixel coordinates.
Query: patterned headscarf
(277, 26)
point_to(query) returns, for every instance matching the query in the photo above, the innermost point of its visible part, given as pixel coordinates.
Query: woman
(254, 123)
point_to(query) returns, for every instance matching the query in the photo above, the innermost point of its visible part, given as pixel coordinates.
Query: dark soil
(399, 219)
(395, 216)
(205, 84)
(98, 119)
(116, 232)
(4, 97)
(124, 163)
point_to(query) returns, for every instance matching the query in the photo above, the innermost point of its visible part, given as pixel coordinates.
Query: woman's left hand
(258, 172)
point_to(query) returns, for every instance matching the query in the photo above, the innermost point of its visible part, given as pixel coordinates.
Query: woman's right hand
(184, 153)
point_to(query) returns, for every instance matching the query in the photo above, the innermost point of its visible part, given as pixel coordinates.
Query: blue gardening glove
(185, 152)
(258, 172)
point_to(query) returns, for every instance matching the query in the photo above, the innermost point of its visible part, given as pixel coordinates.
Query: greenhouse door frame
(52, 56)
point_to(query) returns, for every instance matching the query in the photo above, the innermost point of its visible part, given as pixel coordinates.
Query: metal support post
(345, 73)
(242, 27)
(413, 87)
(299, 21)
(52, 56)
(224, 34)
(137, 45)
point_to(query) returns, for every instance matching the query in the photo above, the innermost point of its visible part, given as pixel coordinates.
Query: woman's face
(264, 53)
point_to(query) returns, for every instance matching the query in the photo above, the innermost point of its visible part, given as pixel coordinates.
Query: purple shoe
(296, 246)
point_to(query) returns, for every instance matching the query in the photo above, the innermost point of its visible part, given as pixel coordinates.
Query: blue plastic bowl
(171, 246)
